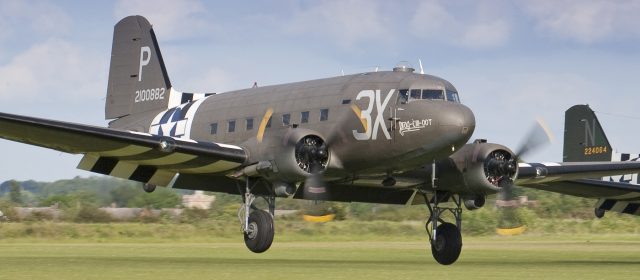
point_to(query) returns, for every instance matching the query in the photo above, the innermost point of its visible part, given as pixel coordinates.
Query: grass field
(569, 257)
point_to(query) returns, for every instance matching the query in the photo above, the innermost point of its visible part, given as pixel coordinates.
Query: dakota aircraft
(391, 137)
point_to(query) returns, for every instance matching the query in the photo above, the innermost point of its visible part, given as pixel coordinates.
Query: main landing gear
(445, 238)
(257, 224)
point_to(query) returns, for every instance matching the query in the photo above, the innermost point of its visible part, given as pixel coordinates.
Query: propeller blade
(315, 187)
(509, 222)
(538, 135)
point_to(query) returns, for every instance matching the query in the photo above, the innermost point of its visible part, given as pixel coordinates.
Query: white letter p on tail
(143, 62)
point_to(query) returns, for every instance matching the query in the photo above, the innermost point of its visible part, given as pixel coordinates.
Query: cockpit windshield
(435, 94)
(406, 95)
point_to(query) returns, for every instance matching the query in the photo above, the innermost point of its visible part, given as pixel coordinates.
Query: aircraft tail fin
(584, 138)
(138, 80)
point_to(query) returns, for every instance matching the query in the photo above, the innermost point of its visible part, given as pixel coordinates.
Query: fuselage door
(395, 110)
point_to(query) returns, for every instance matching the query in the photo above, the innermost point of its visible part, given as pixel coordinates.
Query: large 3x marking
(365, 115)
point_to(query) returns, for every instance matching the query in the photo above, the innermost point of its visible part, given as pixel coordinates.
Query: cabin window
(453, 96)
(231, 127)
(214, 128)
(249, 123)
(346, 101)
(304, 117)
(324, 115)
(286, 119)
(433, 94)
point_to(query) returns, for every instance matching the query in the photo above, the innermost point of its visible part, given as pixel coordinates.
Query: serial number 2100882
(149, 94)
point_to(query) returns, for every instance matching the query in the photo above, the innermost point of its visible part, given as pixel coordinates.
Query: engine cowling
(479, 168)
(300, 153)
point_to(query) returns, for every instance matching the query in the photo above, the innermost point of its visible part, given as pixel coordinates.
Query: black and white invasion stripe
(158, 167)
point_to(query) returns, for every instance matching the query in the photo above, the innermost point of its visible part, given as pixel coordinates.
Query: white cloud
(171, 19)
(586, 21)
(18, 18)
(485, 28)
(52, 70)
(213, 79)
(348, 22)
(486, 34)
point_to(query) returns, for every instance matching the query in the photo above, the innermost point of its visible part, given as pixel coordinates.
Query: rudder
(138, 80)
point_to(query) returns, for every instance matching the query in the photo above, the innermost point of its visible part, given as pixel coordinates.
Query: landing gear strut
(445, 238)
(257, 224)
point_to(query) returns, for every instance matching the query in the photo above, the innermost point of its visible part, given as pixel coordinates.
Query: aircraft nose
(457, 115)
(458, 120)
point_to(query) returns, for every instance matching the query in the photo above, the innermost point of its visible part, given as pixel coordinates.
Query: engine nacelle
(295, 156)
(478, 169)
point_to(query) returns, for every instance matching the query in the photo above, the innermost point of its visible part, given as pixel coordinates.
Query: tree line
(81, 196)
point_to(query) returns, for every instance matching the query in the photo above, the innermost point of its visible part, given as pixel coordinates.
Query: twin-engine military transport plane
(393, 137)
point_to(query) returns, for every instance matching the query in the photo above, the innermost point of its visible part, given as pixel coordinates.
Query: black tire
(448, 245)
(149, 188)
(261, 231)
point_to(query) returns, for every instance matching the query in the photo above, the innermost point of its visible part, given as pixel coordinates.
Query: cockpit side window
(453, 96)
(403, 97)
(433, 94)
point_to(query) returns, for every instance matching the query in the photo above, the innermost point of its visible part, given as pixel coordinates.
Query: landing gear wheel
(260, 232)
(149, 188)
(447, 245)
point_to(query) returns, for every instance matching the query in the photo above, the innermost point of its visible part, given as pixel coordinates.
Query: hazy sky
(512, 61)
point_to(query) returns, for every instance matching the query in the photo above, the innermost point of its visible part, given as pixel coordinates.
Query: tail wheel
(447, 245)
(260, 234)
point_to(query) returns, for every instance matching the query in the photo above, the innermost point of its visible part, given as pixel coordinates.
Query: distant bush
(480, 222)
(87, 214)
(147, 216)
(193, 215)
(38, 216)
(160, 198)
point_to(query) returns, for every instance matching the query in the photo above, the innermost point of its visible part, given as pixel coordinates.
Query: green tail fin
(584, 138)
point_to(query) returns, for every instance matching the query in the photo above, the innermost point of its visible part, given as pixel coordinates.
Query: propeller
(502, 169)
(312, 153)
(312, 156)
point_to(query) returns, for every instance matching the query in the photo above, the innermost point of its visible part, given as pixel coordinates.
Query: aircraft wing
(591, 188)
(131, 155)
(539, 173)
(568, 178)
